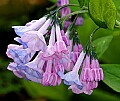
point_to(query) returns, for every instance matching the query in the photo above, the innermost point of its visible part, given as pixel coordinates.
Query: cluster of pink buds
(90, 75)
(48, 54)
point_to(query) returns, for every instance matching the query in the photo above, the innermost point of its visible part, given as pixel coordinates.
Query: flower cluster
(48, 54)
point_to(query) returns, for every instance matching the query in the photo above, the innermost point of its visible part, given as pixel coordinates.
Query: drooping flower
(91, 71)
(50, 49)
(96, 71)
(37, 64)
(34, 40)
(58, 65)
(67, 23)
(22, 71)
(79, 21)
(78, 91)
(49, 77)
(60, 44)
(20, 30)
(18, 54)
(66, 10)
(90, 75)
(76, 52)
(72, 77)
(58, 3)
(86, 71)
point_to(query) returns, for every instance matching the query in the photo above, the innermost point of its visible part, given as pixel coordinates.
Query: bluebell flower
(25, 72)
(18, 39)
(20, 30)
(34, 40)
(18, 54)
(72, 77)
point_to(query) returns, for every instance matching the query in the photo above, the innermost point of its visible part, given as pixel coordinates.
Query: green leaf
(98, 94)
(103, 13)
(102, 45)
(111, 56)
(117, 4)
(81, 3)
(112, 76)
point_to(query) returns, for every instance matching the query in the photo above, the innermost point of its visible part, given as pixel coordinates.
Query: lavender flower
(66, 10)
(91, 72)
(60, 44)
(67, 23)
(22, 71)
(49, 78)
(76, 52)
(37, 64)
(50, 51)
(86, 71)
(78, 91)
(58, 65)
(72, 77)
(58, 3)
(18, 54)
(79, 21)
(34, 40)
(90, 75)
(96, 71)
(22, 29)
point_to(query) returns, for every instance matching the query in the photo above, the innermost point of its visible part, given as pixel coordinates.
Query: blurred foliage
(18, 12)
(59, 93)
(8, 82)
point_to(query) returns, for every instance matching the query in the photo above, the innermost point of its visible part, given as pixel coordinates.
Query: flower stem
(89, 43)
(67, 5)
(93, 33)
(73, 13)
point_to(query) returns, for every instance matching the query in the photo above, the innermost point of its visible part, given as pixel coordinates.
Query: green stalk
(73, 13)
